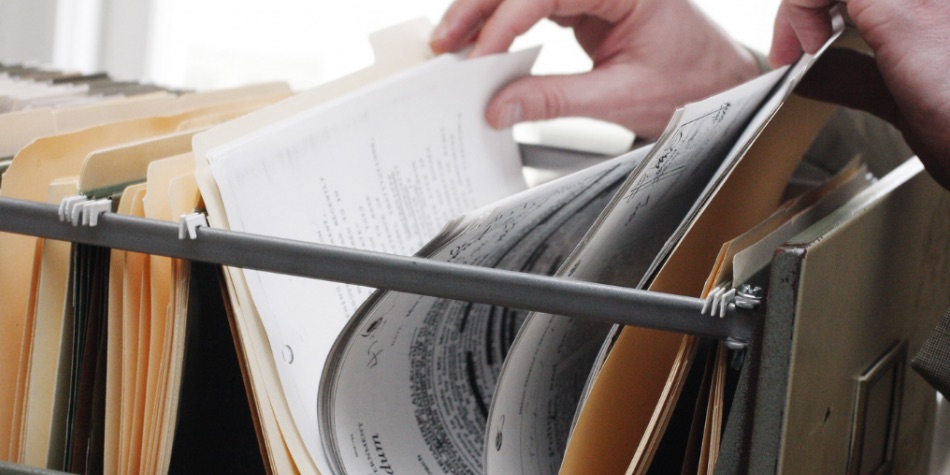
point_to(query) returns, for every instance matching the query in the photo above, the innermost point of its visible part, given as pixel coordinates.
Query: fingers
(496, 23)
(800, 25)
(785, 46)
(510, 19)
(530, 98)
(581, 95)
(544, 97)
(590, 32)
(460, 24)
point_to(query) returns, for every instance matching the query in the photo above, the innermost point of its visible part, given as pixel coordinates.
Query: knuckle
(554, 102)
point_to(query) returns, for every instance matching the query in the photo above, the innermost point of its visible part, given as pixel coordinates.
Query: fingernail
(510, 115)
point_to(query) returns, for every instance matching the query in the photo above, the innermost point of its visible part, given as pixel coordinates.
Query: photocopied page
(384, 169)
(763, 173)
(437, 360)
(532, 416)
(761, 162)
(749, 136)
(688, 157)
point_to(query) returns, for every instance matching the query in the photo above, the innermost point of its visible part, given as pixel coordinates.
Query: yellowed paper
(128, 163)
(162, 363)
(202, 99)
(48, 384)
(714, 416)
(723, 269)
(136, 317)
(183, 199)
(128, 108)
(33, 168)
(119, 344)
(23, 370)
(21, 128)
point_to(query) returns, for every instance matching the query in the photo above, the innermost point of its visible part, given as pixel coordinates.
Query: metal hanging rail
(553, 295)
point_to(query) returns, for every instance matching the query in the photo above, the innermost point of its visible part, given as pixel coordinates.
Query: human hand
(906, 82)
(650, 57)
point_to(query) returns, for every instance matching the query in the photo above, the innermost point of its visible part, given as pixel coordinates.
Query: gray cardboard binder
(829, 388)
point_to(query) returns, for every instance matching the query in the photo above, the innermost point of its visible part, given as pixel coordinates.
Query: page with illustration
(412, 377)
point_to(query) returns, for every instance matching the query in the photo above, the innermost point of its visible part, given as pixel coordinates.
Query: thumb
(548, 97)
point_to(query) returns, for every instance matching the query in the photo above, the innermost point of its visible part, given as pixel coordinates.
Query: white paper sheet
(382, 169)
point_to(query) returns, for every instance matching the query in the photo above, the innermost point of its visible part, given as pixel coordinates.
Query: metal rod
(386, 271)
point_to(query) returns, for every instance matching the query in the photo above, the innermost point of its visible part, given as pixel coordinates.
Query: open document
(412, 378)
(382, 168)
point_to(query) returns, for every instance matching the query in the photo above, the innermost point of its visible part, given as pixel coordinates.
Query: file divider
(612, 304)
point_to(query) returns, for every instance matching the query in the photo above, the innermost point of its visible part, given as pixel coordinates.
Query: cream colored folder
(183, 199)
(23, 366)
(128, 163)
(120, 347)
(49, 371)
(167, 344)
(33, 168)
(135, 329)
(21, 128)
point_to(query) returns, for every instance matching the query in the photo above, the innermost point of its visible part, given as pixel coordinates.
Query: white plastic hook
(92, 209)
(68, 206)
(188, 225)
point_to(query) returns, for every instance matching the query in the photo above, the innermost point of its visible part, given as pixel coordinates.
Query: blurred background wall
(202, 44)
